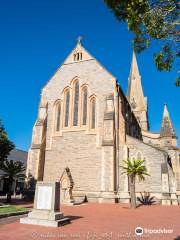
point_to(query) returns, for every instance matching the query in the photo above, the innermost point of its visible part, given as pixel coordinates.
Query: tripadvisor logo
(139, 231)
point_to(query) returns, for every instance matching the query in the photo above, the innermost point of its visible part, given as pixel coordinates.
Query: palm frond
(12, 169)
(135, 167)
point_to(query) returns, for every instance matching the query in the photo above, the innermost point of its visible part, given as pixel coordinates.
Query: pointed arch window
(93, 114)
(76, 104)
(67, 101)
(58, 117)
(77, 56)
(84, 105)
(139, 156)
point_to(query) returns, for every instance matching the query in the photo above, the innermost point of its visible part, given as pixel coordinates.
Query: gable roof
(18, 155)
(71, 59)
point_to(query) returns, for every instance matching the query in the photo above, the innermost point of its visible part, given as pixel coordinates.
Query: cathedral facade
(86, 127)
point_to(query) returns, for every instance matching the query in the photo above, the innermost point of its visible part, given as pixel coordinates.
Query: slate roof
(18, 155)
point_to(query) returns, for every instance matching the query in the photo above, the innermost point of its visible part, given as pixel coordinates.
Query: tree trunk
(10, 182)
(132, 191)
(8, 200)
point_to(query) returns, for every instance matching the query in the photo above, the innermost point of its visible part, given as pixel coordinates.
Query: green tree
(152, 20)
(5, 144)
(134, 168)
(12, 170)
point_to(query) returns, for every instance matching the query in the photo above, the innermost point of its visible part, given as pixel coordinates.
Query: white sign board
(44, 197)
(165, 186)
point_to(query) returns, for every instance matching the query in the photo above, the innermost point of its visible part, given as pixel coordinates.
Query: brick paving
(94, 221)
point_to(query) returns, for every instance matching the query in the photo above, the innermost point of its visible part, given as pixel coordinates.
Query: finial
(79, 40)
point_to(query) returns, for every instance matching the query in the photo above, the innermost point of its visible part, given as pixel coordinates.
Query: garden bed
(7, 211)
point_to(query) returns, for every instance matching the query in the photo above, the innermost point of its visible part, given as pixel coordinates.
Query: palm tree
(12, 170)
(134, 168)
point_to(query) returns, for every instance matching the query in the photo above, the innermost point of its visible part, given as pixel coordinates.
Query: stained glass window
(76, 104)
(139, 156)
(58, 117)
(84, 105)
(93, 114)
(67, 98)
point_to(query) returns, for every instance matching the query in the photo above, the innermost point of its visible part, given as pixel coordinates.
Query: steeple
(167, 129)
(136, 96)
(79, 40)
(134, 72)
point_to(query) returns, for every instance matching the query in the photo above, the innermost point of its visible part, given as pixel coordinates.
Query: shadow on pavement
(73, 217)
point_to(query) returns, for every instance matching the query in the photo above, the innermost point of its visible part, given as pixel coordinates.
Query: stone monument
(46, 210)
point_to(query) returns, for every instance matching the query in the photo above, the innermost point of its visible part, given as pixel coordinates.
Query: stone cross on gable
(79, 40)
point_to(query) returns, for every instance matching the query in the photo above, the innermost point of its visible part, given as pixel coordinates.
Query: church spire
(134, 67)
(136, 96)
(167, 129)
(135, 87)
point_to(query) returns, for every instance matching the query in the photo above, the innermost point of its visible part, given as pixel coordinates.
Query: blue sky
(36, 37)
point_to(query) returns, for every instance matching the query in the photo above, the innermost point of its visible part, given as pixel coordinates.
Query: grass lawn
(11, 209)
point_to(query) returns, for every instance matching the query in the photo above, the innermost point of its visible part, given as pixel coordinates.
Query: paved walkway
(103, 222)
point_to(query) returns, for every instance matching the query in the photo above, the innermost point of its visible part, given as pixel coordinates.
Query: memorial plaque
(108, 133)
(165, 186)
(44, 197)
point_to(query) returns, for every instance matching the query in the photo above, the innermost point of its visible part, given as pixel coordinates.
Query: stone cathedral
(86, 126)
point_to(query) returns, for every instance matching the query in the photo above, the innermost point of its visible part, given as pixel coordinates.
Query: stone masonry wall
(153, 159)
(79, 152)
(79, 149)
